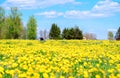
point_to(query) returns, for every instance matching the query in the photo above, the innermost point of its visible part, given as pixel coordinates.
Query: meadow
(59, 59)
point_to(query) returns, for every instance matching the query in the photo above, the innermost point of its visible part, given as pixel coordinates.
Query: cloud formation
(50, 14)
(106, 6)
(70, 14)
(112, 29)
(102, 9)
(34, 4)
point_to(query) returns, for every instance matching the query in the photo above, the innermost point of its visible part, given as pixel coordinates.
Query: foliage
(117, 37)
(59, 59)
(72, 33)
(54, 32)
(32, 28)
(65, 33)
(2, 21)
(11, 26)
(6, 29)
(77, 33)
(110, 35)
(15, 24)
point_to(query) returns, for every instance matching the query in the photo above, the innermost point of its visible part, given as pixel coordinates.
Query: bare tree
(90, 36)
(110, 35)
(41, 33)
(44, 34)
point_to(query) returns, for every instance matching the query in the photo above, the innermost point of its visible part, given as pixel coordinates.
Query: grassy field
(59, 59)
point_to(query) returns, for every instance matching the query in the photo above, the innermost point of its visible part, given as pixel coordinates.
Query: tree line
(67, 33)
(11, 27)
(111, 35)
(76, 33)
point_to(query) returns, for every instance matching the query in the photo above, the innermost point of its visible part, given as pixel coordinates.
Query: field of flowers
(59, 59)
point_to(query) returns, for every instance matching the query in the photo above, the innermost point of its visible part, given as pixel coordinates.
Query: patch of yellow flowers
(59, 59)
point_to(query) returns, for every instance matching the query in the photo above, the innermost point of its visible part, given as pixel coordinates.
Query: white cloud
(107, 6)
(51, 14)
(102, 9)
(112, 29)
(32, 4)
(82, 14)
(19, 3)
(70, 14)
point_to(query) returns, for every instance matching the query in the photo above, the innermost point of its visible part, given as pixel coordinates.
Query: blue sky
(94, 16)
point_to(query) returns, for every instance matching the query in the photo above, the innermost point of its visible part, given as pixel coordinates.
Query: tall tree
(44, 34)
(15, 24)
(41, 34)
(6, 29)
(117, 36)
(32, 28)
(2, 21)
(110, 35)
(65, 33)
(77, 33)
(54, 32)
(23, 33)
(72, 33)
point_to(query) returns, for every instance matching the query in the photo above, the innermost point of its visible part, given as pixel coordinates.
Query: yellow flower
(85, 63)
(22, 75)
(85, 74)
(118, 75)
(97, 76)
(111, 70)
(29, 57)
(70, 77)
(52, 75)
(45, 75)
(1, 70)
(14, 65)
(36, 75)
(112, 76)
(1, 75)
(97, 65)
(11, 72)
(62, 77)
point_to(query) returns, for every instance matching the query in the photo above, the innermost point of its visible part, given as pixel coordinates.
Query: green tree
(65, 33)
(68, 33)
(110, 35)
(31, 28)
(6, 30)
(77, 33)
(72, 33)
(2, 21)
(117, 36)
(54, 32)
(15, 24)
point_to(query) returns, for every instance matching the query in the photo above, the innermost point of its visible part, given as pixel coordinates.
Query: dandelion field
(59, 59)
